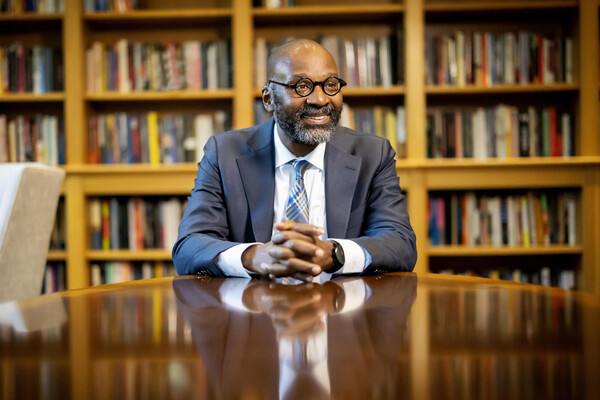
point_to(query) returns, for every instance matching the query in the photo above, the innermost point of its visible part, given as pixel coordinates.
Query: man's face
(312, 119)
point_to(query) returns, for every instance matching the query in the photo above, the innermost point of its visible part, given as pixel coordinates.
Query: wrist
(248, 257)
(338, 257)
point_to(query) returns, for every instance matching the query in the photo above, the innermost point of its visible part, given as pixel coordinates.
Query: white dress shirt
(230, 261)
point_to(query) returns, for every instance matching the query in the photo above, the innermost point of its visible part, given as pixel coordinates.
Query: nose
(318, 97)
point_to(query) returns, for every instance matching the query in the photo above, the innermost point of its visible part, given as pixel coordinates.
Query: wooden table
(395, 336)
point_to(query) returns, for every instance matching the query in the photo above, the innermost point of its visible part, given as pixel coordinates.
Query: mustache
(312, 111)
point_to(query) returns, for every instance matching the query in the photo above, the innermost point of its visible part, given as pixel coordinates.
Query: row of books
(501, 375)
(488, 58)
(519, 219)
(502, 316)
(154, 138)
(564, 279)
(110, 5)
(382, 121)
(125, 271)
(363, 62)
(134, 223)
(30, 69)
(499, 132)
(146, 320)
(131, 66)
(31, 6)
(38, 138)
(54, 278)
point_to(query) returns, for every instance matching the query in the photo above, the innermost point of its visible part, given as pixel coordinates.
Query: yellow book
(98, 55)
(153, 144)
(105, 225)
(390, 128)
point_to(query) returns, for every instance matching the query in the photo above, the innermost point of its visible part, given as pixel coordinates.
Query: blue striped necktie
(297, 206)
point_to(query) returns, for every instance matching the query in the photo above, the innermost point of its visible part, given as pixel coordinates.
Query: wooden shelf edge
(91, 169)
(149, 15)
(225, 94)
(31, 97)
(475, 251)
(129, 255)
(499, 5)
(401, 164)
(334, 9)
(500, 88)
(31, 17)
(467, 163)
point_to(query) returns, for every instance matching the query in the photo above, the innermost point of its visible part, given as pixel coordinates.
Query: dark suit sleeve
(386, 231)
(204, 228)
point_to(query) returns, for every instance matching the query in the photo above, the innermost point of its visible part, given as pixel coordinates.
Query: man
(299, 166)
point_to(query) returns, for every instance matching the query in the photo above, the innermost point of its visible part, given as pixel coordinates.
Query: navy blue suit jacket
(232, 199)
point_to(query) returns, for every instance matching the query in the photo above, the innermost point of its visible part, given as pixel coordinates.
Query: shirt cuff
(356, 257)
(230, 261)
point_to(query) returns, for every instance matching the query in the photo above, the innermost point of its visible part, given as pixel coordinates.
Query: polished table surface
(394, 336)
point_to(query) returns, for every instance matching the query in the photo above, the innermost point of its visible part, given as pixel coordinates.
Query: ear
(267, 99)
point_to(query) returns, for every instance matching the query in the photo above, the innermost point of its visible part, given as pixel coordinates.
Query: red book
(21, 69)
(483, 61)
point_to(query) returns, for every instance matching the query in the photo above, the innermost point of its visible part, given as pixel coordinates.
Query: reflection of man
(341, 339)
(266, 197)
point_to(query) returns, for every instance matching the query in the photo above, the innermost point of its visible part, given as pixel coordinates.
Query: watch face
(339, 254)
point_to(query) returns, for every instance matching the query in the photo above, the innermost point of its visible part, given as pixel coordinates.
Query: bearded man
(297, 196)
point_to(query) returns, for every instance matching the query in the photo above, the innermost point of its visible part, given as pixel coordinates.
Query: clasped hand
(295, 251)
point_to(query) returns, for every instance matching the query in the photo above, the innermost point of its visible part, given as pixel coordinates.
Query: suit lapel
(258, 178)
(341, 175)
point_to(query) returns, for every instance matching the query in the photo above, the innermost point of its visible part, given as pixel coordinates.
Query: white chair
(29, 194)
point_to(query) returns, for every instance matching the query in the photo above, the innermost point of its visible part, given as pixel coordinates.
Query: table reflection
(339, 339)
(380, 337)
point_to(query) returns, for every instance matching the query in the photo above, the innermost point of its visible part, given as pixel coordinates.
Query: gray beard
(294, 126)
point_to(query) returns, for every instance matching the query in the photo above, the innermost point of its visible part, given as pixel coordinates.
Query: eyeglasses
(305, 86)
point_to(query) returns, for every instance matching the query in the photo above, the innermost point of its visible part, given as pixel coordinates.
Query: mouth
(316, 119)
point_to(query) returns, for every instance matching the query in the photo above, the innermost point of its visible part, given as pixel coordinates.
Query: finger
(291, 249)
(299, 265)
(274, 269)
(306, 229)
(281, 237)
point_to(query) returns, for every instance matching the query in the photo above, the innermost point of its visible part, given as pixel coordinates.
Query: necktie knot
(300, 166)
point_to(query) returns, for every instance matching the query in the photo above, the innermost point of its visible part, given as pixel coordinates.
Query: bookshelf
(237, 20)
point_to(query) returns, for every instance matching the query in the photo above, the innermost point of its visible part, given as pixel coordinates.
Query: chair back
(29, 194)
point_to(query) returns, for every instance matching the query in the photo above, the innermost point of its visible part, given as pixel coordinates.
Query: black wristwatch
(338, 257)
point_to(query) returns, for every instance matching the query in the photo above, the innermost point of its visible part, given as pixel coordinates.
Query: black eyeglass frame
(314, 84)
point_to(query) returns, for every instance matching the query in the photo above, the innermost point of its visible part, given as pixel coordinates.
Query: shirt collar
(283, 155)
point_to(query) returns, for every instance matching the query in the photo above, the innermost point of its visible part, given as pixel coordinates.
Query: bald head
(282, 56)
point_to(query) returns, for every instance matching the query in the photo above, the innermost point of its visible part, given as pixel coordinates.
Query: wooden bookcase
(238, 20)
